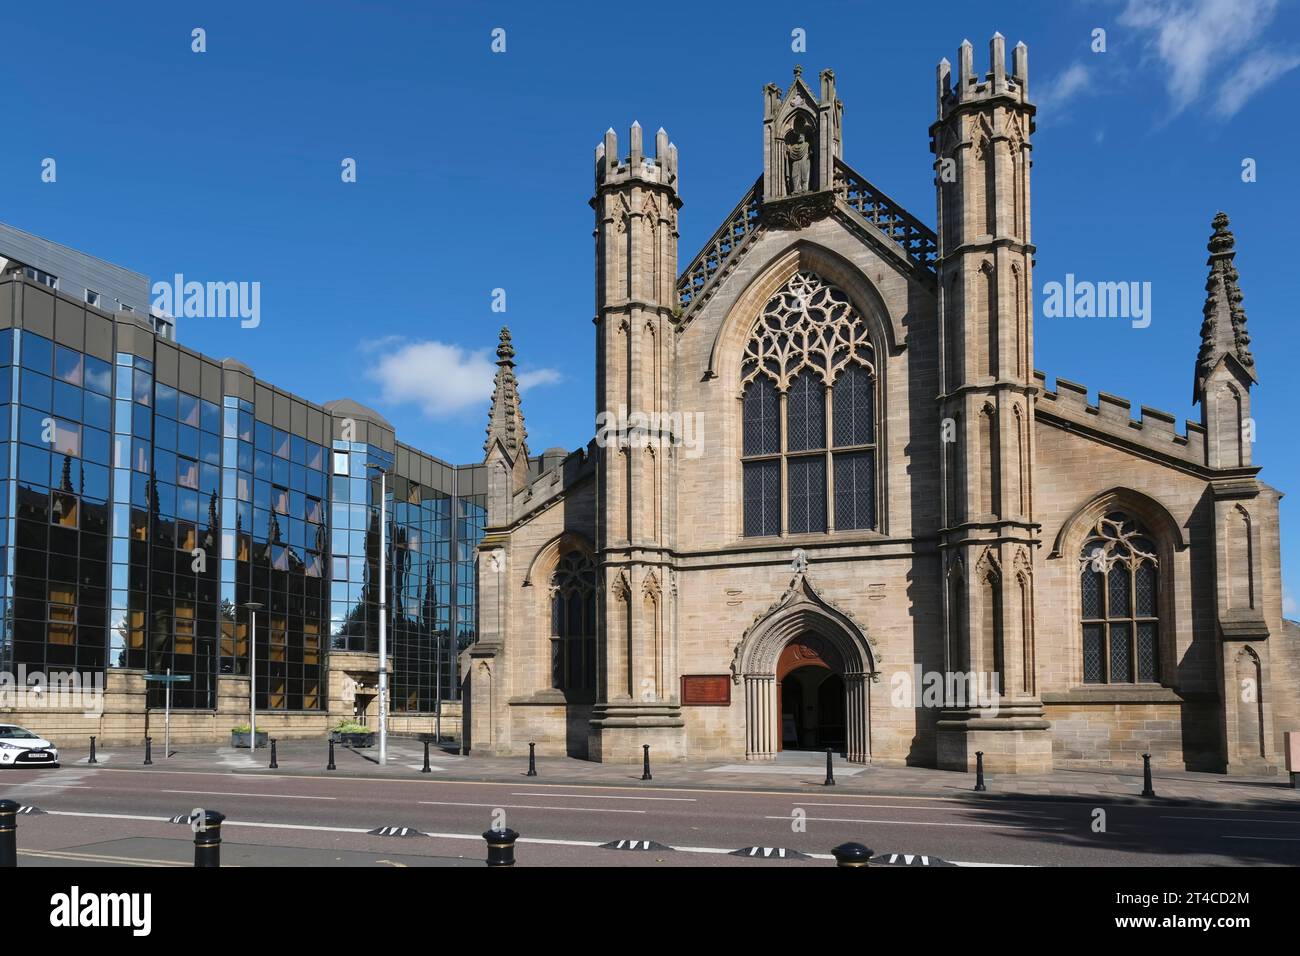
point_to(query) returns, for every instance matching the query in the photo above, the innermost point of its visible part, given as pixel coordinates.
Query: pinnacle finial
(1223, 332)
(505, 417)
(505, 350)
(1222, 240)
(798, 71)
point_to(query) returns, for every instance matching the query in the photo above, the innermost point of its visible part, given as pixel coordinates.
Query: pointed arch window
(809, 366)
(573, 625)
(1119, 603)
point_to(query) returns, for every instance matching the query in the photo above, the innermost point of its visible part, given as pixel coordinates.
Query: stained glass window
(762, 418)
(810, 362)
(1119, 602)
(573, 625)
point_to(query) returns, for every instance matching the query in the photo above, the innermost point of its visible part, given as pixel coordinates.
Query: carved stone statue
(799, 155)
(798, 561)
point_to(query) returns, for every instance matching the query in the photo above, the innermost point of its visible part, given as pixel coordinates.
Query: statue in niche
(799, 156)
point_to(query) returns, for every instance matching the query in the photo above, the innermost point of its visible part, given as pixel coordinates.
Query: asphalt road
(103, 816)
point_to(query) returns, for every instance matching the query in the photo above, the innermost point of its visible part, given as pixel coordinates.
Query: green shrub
(349, 726)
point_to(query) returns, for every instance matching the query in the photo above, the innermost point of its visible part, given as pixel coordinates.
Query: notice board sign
(706, 690)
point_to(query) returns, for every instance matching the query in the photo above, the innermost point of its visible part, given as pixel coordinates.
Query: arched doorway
(811, 695)
(810, 661)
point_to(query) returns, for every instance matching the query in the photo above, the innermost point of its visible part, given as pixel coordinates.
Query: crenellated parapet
(554, 481)
(1111, 416)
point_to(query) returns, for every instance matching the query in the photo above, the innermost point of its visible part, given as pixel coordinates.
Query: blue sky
(474, 170)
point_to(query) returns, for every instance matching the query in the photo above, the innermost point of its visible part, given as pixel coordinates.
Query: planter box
(366, 739)
(242, 740)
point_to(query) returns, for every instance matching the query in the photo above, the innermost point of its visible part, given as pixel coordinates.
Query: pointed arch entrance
(810, 695)
(804, 634)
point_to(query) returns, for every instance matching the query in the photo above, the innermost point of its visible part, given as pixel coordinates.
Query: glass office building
(149, 495)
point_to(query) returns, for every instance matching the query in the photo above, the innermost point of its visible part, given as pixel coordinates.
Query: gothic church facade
(894, 539)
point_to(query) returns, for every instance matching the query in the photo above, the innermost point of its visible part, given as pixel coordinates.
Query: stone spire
(1223, 333)
(506, 419)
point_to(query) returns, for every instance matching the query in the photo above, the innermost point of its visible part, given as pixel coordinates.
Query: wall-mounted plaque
(706, 690)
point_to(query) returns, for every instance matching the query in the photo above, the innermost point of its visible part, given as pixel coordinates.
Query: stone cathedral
(837, 507)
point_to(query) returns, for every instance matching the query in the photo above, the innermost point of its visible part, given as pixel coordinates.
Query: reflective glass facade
(149, 494)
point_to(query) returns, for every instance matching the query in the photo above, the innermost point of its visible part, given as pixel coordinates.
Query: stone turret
(981, 144)
(636, 205)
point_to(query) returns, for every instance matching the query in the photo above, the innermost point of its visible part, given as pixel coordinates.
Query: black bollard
(532, 760)
(275, 764)
(979, 772)
(8, 833)
(1147, 789)
(501, 847)
(92, 751)
(645, 762)
(830, 770)
(207, 838)
(148, 751)
(852, 854)
(330, 765)
(426, 768)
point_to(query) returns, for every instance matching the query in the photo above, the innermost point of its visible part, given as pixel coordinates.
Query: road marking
(97, 858)
(1289, 823)
(1234, 836)
(890, 806)
(507, 806)
(56, 786)
(920, 823)
(1095, 799)
(544, 841)
(227, 793)
(593, 796)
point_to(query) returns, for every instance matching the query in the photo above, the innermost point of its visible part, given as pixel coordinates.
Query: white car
(22, 748)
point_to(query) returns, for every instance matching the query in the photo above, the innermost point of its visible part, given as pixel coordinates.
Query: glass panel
(1121, 649)
(805, 409)
(807, 505)
(853, 398)
(1145, 589)
(1147, 654)
(1117, 580)
(762, 497)
(855, 490)
(762, 408)
(1090, 587)
(1093, 669)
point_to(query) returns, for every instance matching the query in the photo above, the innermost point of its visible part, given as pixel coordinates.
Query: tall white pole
(167, 718)
(383, 617)
(252, 683)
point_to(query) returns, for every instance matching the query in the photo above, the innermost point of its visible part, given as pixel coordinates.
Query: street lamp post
(253, 608)
(383, 610)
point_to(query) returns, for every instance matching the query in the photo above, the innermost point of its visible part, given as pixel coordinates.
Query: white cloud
(540, 376)
(1194, 40)
(374, 345)
(1289, 607)
(1061, 88)
(441, 378)
(1259, 71)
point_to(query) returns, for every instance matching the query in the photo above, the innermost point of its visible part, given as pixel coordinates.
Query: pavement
(119, 812)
